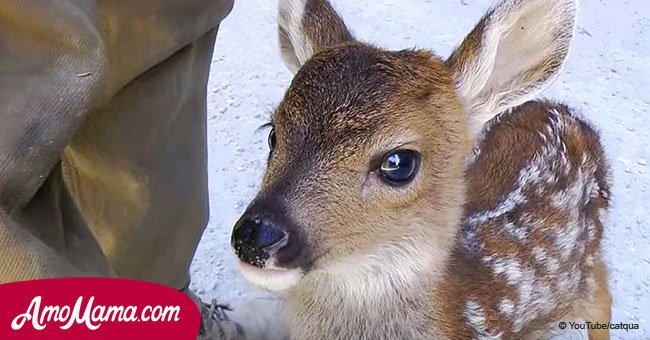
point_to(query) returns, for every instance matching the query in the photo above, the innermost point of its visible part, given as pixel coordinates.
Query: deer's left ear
(515, 52)
(304, 27)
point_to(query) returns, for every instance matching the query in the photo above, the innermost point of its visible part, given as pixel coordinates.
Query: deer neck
(383, 291)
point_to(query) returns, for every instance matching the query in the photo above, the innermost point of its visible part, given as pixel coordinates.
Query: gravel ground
(606, 77)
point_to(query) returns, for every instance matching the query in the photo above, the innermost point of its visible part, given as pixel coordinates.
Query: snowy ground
(607, 76)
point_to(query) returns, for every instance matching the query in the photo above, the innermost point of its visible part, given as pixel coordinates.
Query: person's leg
(146, 153)
(137, 168)
(124, 84)
(50, 74)
(61, 64)
(53, 218)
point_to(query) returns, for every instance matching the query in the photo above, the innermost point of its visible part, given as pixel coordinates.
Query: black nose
(254, 238)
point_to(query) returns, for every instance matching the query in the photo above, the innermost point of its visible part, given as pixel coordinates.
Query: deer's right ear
(304, 27)
(514, 53)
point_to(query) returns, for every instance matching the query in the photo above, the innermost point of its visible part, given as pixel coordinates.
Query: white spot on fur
(542, 137)
(572, 201)
(595, 188)
(532, 223)
(538, 180)
(508, 204)
(476, 320)
(541, 171)
(519, 232)
(507, 307)
(533, 295)
(541, 256)
(590, 282)
(591, 229)
(602, 215)
(565, 238)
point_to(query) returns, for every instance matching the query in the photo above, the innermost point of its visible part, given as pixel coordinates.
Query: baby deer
(411, 197)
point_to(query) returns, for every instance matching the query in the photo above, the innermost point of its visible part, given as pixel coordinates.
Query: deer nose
(255, 239)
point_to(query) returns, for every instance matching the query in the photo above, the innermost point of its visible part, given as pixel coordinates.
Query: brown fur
(510, 143)
(498, 235)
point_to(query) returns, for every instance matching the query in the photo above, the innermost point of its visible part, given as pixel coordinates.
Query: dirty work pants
(103, 136)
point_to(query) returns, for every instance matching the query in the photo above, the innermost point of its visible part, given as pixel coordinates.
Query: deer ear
(304, 27)
(515, 52)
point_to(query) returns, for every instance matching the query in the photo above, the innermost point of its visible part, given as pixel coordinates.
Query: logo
(95, 308)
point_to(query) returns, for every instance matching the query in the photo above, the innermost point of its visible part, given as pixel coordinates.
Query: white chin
(273, 279)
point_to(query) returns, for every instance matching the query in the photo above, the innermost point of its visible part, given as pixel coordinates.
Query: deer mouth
(270, 277)
(276, 272)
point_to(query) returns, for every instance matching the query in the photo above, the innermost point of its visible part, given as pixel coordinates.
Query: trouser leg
(102, 140)
(66, 66)
(138, 168)
(48, 238)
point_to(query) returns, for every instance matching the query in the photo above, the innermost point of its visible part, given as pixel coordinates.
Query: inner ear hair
(306, 26)
(515, 52)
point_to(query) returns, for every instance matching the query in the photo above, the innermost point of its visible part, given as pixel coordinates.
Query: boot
(256, 319)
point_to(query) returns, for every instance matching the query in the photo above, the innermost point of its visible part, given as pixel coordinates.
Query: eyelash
(265, 126)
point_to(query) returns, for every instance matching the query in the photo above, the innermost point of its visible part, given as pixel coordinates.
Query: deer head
(368, 145)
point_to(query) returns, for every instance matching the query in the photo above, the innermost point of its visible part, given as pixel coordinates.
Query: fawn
(411, 197)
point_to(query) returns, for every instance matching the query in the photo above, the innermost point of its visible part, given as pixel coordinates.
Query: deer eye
(399, 167)
(272, 139)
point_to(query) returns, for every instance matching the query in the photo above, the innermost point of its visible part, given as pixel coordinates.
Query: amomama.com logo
(95, 308)
(92, 316)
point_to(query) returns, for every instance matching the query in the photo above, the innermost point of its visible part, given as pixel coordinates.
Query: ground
(607, 77)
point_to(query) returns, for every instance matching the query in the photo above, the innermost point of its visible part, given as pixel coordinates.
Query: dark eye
(272, 140)
(399, 167)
